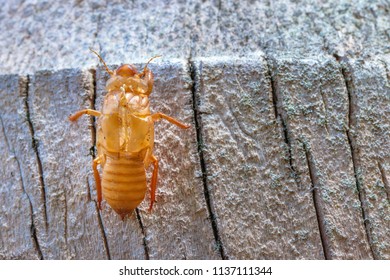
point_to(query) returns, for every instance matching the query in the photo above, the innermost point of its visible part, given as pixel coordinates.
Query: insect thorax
(125, 125)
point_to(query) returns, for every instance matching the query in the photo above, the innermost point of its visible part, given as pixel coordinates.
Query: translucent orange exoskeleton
(125, 139)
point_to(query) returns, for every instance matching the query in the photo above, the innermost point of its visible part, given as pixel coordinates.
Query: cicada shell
(125, 139)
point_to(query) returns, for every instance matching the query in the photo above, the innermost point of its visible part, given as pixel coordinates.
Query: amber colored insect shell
(125, 139)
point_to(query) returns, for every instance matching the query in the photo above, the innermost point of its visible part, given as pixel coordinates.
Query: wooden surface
(286, 159)
(36, 35)
(287, 156)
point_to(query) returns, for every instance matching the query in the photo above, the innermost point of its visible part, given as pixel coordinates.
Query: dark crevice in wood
(145, 244)
(33, 231)
(93, 154)
(354, 154)
(24, 86)
(66, 216)
(101, 226)
(278, 116)
(361, 195)
(273, 91)
(287, 140)
(35, 148)
(317, 203)
(89, 197)
(199, 137)
(384, 181)
(92, 118)
(92, 121)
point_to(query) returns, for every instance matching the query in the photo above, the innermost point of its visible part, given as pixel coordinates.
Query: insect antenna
(147, 63)
(101, 59)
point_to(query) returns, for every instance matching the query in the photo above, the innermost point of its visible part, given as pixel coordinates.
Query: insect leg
(96, 175)
(78, 114)
(158, 116)
(154, 182)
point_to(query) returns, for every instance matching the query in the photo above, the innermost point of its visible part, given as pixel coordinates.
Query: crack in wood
(89, 197)
(92, 119)
(196, 81)
(25, 93)
(24, 86)
(286, 137)
(273, 90)
(33, 231)
(145, 244)
(385, 182)
(317, 202)
(354, 155)
(101, 227)
(278, 116)
(93, 136)
(66, 216)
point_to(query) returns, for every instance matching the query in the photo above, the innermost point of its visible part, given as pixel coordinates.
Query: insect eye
(126, 70)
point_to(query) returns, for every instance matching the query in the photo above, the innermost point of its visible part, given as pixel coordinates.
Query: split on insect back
(125, 138)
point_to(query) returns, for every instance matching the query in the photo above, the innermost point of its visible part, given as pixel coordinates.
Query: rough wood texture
(369, 134)
(312, 100)
(287, 156)
(69, 213)
(20, 193)
(56, 35)
(279, 141)
(261, 211)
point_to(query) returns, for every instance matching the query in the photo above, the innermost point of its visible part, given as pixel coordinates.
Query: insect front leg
(96, 175)
(78, 114)
(158, 116)
(154, 182)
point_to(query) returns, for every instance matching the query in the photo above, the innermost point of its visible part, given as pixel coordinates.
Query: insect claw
(150, 207)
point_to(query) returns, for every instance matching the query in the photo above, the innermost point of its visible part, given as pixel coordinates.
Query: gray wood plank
(369, 91)
(313, 102)
(58, 35)
(21, 223)
(290, 168)
(72, 230)
(261, 211)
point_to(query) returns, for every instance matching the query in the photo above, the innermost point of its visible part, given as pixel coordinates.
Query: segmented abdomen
(124, 183)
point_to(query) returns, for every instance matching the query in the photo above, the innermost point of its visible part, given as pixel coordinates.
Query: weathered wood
(280, 142)
(72, 224)
(312, 100)
(21, 200)
(287, 156)
(260, 209)
(369, 134)
(56, 35)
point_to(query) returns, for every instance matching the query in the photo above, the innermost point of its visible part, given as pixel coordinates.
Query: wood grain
(286, 158)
